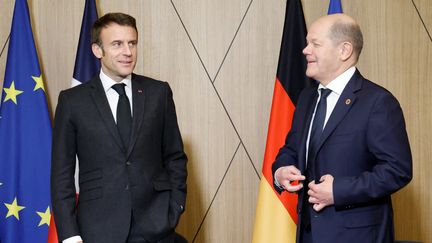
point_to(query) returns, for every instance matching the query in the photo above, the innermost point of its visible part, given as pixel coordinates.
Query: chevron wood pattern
(220, 58)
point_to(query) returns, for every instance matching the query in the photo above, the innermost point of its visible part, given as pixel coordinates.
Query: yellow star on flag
(45, 217)
(13, 209)
(12, 93)
(39, 83)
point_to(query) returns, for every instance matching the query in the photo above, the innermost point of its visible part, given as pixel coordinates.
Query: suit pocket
(90, 185)
(90, 194)
(90, 175)
(363, 219)
(341, 137)
(160, 185)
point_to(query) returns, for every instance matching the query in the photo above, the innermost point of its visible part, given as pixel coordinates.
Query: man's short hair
(109, 18)
(342, 31)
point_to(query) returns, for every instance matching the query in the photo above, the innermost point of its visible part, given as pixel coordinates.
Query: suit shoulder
(149, 83)
(377, 95)
(74, 90)
(79, 92)
(376, 89)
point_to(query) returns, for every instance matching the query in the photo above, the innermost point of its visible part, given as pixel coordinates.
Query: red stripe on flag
(52, 232)
(281, 115)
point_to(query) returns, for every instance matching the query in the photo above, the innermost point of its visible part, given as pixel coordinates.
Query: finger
(312, 193)
(293, 170)
(297, 177)
(311, 184)
(285, 184)
(323, 178)
(313, 200)
(289, 173)
(313, 187)
(318, 207)
(294, 188)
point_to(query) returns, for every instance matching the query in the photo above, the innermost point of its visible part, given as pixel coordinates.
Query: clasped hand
(320, 195)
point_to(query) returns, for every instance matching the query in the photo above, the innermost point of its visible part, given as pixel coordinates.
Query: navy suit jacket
(365, 147)
(147, 178)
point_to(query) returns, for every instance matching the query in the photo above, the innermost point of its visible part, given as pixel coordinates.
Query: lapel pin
(348, 101)
(140, 91)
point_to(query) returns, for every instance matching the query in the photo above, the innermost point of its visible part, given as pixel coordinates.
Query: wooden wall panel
(424, 7)
(246, 80)
(6, 12)
(215, 117)
(232, 213)
(212, 25)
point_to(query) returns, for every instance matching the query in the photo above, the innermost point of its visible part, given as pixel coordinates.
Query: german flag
(276, 215)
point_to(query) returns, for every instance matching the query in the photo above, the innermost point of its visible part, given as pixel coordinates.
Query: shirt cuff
(73, 239)
(277, 183)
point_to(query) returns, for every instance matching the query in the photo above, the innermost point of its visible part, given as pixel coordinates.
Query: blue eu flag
(335, 6)
(25, 140)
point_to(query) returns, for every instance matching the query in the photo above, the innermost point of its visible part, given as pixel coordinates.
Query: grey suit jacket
(147, 178)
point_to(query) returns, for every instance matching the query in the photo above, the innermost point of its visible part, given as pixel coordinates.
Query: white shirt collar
(338, 84)
(107, 82)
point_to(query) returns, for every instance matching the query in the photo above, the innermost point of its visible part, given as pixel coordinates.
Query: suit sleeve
(63, 192)
(288, 154)
(173, 154)
(388, 144)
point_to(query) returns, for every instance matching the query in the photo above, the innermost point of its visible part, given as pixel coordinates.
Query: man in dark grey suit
(123, 129)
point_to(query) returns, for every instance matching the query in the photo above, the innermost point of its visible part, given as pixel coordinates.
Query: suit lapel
(138, 102)
(305, 130)
(100, 99)
(343, 105)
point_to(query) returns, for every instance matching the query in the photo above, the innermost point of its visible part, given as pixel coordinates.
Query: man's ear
(346, 51)
(97, 50)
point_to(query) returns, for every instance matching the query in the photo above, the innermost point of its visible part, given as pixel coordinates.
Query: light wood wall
(220, 58)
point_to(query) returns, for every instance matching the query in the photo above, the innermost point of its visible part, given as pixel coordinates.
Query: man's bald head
(342, 28)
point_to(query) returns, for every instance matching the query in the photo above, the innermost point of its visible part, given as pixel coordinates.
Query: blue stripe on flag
(335, 6)
(86, 64)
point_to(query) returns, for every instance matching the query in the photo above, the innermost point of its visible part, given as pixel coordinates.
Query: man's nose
(127, 50)
(306, 50)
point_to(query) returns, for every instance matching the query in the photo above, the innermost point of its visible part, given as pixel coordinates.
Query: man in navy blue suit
(355, 156)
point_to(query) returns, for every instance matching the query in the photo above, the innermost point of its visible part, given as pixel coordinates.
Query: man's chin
(309, 73)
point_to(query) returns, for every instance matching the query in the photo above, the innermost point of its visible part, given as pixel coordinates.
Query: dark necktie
(124, 118)
(315, 135)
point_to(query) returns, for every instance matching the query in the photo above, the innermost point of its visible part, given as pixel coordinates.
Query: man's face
(321, 53)
(118, 51)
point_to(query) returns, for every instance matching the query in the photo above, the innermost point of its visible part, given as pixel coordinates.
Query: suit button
(127, 187)
(128, 163)
(181, 208)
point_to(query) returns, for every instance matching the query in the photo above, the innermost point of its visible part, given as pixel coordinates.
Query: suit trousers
(305, 234)
(136, 236)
